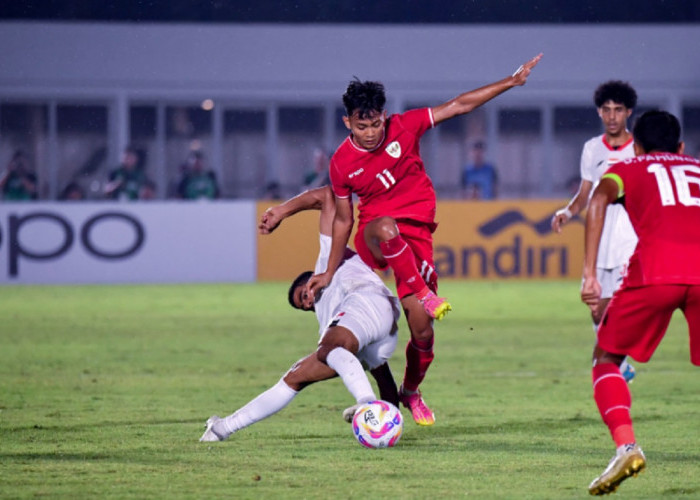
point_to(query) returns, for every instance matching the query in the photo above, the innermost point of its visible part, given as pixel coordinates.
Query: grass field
(104, 391)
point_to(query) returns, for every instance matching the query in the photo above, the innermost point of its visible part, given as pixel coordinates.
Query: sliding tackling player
(357, 315)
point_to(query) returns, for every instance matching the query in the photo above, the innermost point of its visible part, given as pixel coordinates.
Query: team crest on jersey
(394, 149)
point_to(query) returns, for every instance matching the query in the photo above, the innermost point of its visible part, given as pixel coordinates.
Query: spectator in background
(126, 180)
(479, 178)
(17, 182)
(148, 190)
(72, 192)
(272, 191)
(319, 175)
(197, 183)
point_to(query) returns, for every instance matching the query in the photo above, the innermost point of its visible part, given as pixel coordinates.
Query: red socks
(613, 398)
(419, 355)
(402, 261)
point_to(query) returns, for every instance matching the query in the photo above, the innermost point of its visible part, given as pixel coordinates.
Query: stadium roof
(352, 11)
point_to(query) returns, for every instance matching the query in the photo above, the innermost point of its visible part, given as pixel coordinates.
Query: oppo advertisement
(127, 243)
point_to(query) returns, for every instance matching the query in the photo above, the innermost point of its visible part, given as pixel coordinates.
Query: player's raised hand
(590, 292)
(270, 220)
(316, 283)
(521, 74)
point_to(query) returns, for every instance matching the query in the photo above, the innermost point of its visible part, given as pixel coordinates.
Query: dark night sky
(357, 11)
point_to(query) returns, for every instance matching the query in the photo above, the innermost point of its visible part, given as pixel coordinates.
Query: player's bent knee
(382, 228)
(325, 349)
(336, 336)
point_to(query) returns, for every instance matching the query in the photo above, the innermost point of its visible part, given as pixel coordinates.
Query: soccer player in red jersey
(661, 190)
(380, 162)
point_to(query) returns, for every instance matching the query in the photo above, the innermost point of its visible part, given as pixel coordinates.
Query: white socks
(268, 403)
(280, 395)
(349, 368)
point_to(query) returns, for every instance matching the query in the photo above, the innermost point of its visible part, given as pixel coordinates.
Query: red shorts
(419, 237)
(637, 318)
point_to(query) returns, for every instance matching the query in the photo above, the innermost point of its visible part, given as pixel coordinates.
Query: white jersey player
(615, 101)
(357, 316)
(618, 239)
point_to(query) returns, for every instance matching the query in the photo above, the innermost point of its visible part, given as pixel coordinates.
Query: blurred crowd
(131, 180)
(127, 181)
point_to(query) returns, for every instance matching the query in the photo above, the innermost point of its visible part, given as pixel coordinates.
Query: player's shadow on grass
(542, 427)
(64, 457)
(106, 423)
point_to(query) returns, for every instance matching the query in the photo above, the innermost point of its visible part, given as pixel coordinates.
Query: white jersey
(618, 240)
(353, 277)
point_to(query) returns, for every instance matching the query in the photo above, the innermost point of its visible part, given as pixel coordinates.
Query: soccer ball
(377, 424)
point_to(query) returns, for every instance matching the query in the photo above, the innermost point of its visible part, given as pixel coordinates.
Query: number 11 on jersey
(386, 178)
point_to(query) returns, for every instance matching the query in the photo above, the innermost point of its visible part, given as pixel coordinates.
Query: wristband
(567, 212)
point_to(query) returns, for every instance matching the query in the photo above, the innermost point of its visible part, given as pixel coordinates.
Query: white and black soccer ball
(377, 424)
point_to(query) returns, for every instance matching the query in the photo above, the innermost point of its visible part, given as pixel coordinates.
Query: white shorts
(610, 279)
(372, 320)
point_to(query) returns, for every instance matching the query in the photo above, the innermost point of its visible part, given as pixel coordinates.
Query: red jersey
(662, 198)
(389, 180)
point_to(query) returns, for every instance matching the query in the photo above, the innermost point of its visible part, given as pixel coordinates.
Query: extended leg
(419, 356)
(303, 373)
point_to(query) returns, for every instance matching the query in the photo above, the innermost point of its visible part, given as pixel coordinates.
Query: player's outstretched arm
(464, 103)
(314, 199)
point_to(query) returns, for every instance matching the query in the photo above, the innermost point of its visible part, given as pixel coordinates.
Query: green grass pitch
(104, 391)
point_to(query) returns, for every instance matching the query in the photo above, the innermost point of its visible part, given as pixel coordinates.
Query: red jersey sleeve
(338, 184)
(418, 120)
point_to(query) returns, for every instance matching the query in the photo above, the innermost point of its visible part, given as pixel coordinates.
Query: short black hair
(616, 91)
(366, 98)
(657, 131)
(299, 280)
